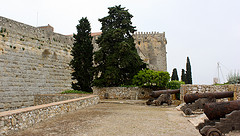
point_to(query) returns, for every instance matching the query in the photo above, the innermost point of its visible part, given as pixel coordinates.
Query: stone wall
(50, 98)
(151, 48)
(133, 93)
(22, 118)
(189, 89)
(32, 61)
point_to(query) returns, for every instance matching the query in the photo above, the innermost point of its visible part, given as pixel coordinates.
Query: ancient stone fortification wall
(133, 93)
(32, 61)
(22, 118)
(189, 89)
(50, 98)
(152, 49)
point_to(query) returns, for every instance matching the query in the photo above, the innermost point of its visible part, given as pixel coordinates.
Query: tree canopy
(174, 75)
(188, 72)
(117, 60)
(82, 52)
(183, 76)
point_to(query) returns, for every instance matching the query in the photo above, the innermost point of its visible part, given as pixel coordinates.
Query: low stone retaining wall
(133, 93)
(22, 118)
(50, 98)
(189, 89)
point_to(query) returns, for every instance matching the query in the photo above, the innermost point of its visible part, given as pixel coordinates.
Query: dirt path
(108, 119)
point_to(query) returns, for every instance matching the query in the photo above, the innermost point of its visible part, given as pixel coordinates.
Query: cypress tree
(82, 52)
(188, 72)
(174, 75)
(183, 76)
(117, 61)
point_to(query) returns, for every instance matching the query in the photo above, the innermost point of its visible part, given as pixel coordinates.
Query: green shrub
(128, 86)
(221, 84)
(233, 78)
(74, 92)
(152, 79)
(174, 84)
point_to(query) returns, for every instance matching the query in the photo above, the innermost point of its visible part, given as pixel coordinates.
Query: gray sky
(208, 31)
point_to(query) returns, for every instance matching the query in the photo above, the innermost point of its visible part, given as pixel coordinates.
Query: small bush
(128, 86)
(74, 92)
(152, 79)
(174, 84)
(233, 78)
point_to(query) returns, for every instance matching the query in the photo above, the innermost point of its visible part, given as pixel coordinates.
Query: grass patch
(74, 92)
(128, 86)
(222, 84)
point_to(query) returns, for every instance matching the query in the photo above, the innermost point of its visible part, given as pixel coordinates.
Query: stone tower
(151, 48)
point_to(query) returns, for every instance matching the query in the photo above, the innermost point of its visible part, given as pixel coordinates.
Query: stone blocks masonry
(32, 61)
(35, 60)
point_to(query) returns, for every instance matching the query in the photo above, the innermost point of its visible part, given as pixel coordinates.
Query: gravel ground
(112, 119)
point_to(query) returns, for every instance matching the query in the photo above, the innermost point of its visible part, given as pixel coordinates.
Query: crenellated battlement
(150, 33)
(148, 36)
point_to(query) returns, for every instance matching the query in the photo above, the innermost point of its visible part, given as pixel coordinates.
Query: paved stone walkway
(112, 119)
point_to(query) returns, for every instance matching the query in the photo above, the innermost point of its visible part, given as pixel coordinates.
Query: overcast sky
(208, 31)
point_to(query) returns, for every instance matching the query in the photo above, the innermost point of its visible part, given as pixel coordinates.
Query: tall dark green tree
(117, 61)
(183, 76)
(174, 75)
(82, 52)
(188, 72)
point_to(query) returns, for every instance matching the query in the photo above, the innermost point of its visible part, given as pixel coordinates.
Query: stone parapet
(22, 118)
(133, 93)
(50, 98)
(189, 89)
